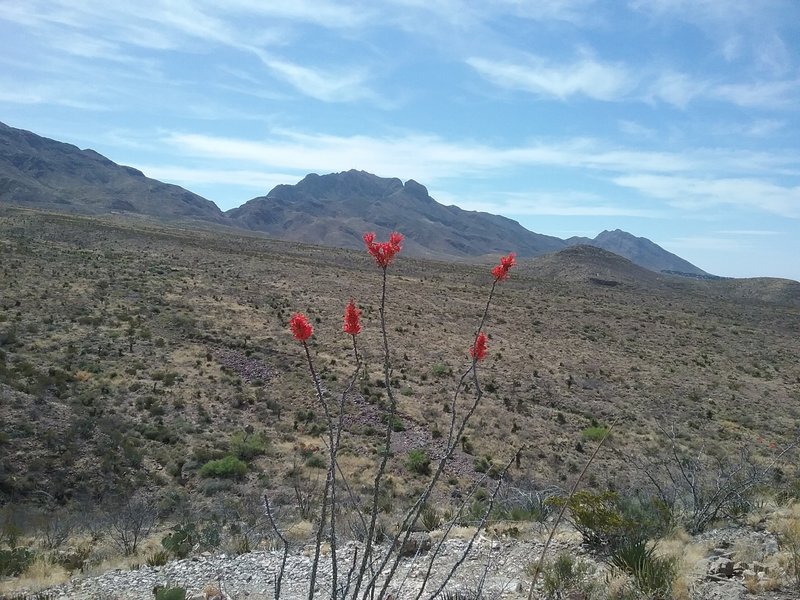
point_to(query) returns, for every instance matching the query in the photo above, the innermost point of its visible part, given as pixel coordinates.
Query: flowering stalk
(500, 272)
(302, 330)
(383, 253)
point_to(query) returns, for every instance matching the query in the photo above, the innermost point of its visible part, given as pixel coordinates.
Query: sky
(675, 120)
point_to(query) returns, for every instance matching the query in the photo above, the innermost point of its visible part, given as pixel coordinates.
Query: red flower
(352, 324)
(383, 252)
(478, 349)
(301, 328)
(500, 272)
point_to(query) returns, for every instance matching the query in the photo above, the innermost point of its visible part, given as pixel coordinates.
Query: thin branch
(540, 563)
(277, 531)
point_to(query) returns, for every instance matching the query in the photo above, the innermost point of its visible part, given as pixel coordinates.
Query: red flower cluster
(383, 252)
(500, 272)
(478, 350)
(352, 323)
(301, 328)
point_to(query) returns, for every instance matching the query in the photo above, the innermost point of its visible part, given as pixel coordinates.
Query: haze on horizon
(676, 120)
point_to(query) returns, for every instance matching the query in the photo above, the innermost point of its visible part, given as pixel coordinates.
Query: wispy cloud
(694, 193)
(742, 31)
(546, 204)
(757, 232)
(706, 243)
(692, 180)
(584, 77)
(339, 86)
(196, 27)
(634, 129)
(241, 178)
(675, 88)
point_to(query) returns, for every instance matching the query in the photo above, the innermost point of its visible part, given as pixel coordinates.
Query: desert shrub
(598, 517)
(788, 532)
(172, 593)
(130, 521)
(228, 466)
(650, 516)
(157, 559)
(316, 461)
(418, 462)
(462, 594)
(430, 518)
(247, 446)
(186, 537)
(523, 507)
(482, 463)
(441, 370)
(397, 422)
(650, 574)
(594, 433)
(566, 578)
(15, 561)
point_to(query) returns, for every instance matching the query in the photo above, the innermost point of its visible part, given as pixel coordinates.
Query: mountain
(641, 251)
(585, 263)
(332, 210)
(40, 172)
(336, 209)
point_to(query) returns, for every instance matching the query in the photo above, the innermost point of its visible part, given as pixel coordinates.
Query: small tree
(130, 521)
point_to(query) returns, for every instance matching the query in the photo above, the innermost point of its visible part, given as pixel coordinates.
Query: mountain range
(333, 209)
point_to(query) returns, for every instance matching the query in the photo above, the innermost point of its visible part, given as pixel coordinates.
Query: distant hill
(641, 251)
(40, 172)
(334, 209)
(583, 263)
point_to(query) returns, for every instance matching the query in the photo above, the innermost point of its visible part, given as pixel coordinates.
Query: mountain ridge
(333, 209)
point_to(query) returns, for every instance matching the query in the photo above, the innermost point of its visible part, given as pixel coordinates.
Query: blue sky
(676, 120)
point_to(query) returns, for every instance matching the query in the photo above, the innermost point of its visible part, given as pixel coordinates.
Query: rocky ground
(498, 567)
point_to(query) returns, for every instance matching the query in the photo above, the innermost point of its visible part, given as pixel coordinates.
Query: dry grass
(42, 573)
(690, 561)
(88, 417)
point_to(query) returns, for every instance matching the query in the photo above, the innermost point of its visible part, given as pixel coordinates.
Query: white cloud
(534, 203)
(240, 178)
(677, 89)
(697, 180)
(760, 94)
(583, 77)
(634, 129)
(757, 232)
(694, 193)
(341, 86)
(705, 243)
(333, 15)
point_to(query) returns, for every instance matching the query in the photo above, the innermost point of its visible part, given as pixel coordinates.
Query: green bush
(598, 517)
(564, 577)
(652, 575)
(653, 518)
(594, 433)
(175, 593)
(441, 370)
(315, 461)
(482, 463)
(248, 446)
(186, 536)
(15, 561)
(417, 461)
(430, 518)
(228, 466)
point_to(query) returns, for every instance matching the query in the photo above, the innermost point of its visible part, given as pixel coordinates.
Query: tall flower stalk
(370, 570)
